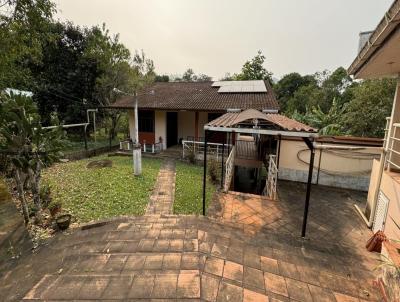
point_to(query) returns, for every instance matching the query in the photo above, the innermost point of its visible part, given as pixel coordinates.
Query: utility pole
(137, 148)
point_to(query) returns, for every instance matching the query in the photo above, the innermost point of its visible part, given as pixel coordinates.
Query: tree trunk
(36, 177)
(21, 194)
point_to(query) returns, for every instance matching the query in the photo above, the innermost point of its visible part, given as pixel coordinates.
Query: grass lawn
(91, 194)
(189, 189)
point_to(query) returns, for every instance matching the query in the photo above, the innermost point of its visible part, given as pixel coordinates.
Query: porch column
(196, 126)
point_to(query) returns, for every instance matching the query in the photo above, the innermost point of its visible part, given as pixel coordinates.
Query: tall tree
(23, 28)
(65, 77)
(189, 76)
(118, 70)
(254, 70)
(366, 113)
(161, 78)
(287, 86)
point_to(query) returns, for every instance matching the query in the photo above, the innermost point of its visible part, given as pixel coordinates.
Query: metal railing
(197, 148)
(270, 185)
(127, 145)
(391, 144)
(229, 168)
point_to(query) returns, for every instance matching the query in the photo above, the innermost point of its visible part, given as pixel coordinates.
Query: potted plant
(54, 208)
(63, 221)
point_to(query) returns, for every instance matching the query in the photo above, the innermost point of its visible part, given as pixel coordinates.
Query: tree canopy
(335, 104)
(254, 70)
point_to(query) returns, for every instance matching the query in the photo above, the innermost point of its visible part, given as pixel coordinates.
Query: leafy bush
(191, 156)
(214, 170)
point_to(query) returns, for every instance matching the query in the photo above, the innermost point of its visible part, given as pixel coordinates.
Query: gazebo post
(222, 165)
(205, 171)
(279, 150)
(309, 181)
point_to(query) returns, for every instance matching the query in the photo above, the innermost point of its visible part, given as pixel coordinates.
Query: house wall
(186, 124)
(390, 186)
(131, 122)
(161, 127)
(203, 119)
(336, 170)
(148, 137)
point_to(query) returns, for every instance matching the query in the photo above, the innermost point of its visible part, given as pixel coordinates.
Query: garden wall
(348, 167)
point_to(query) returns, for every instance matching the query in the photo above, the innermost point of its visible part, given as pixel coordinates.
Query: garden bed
(92, 194)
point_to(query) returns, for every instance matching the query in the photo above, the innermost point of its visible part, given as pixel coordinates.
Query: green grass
(189, 189)
(91, 194)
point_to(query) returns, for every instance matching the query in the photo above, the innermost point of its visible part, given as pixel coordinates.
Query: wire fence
(75, 139)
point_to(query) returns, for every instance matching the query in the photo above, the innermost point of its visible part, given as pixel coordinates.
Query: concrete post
(137, 159)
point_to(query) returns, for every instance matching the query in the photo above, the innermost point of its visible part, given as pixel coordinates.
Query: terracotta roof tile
(198, 96)
(232, 119)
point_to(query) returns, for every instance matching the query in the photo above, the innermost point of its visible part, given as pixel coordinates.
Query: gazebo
(261, 127)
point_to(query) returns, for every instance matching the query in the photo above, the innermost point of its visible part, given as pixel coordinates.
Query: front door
(172, 129)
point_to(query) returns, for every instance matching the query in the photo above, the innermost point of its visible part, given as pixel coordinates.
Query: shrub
(213, 170)
(191, 156)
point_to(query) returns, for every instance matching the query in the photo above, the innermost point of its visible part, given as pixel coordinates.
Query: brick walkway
(195, 258)
(186, 258)
(163, 196)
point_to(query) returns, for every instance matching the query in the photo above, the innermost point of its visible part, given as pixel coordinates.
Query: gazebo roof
(270, 122)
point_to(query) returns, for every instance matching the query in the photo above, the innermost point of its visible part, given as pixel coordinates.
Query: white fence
(146, 148)
(229, 169)
(270, 186)
(197, 148)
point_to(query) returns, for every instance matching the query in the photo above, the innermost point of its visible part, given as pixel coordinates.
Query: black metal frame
(310, 146)
(309, 143)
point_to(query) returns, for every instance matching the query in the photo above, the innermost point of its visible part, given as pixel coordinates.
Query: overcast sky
(218, 36)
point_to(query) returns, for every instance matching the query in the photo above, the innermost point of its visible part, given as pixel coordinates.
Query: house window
(146, 121)
(212, 116)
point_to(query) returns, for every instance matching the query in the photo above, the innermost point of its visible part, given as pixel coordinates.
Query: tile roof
(198, 96)
(232, 119)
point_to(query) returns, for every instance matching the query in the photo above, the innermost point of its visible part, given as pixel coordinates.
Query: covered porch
(260, 147)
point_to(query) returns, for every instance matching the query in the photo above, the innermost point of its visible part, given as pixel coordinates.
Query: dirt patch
(96, 164)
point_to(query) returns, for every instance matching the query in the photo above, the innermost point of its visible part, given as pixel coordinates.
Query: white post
(94, 125)
(152, 148)
(137, 151)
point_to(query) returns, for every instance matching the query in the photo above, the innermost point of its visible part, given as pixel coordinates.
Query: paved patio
(190, 258)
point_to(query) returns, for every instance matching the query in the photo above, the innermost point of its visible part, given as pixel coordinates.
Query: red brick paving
(188, 258)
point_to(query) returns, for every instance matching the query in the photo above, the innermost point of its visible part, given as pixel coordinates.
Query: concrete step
(167, 285)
